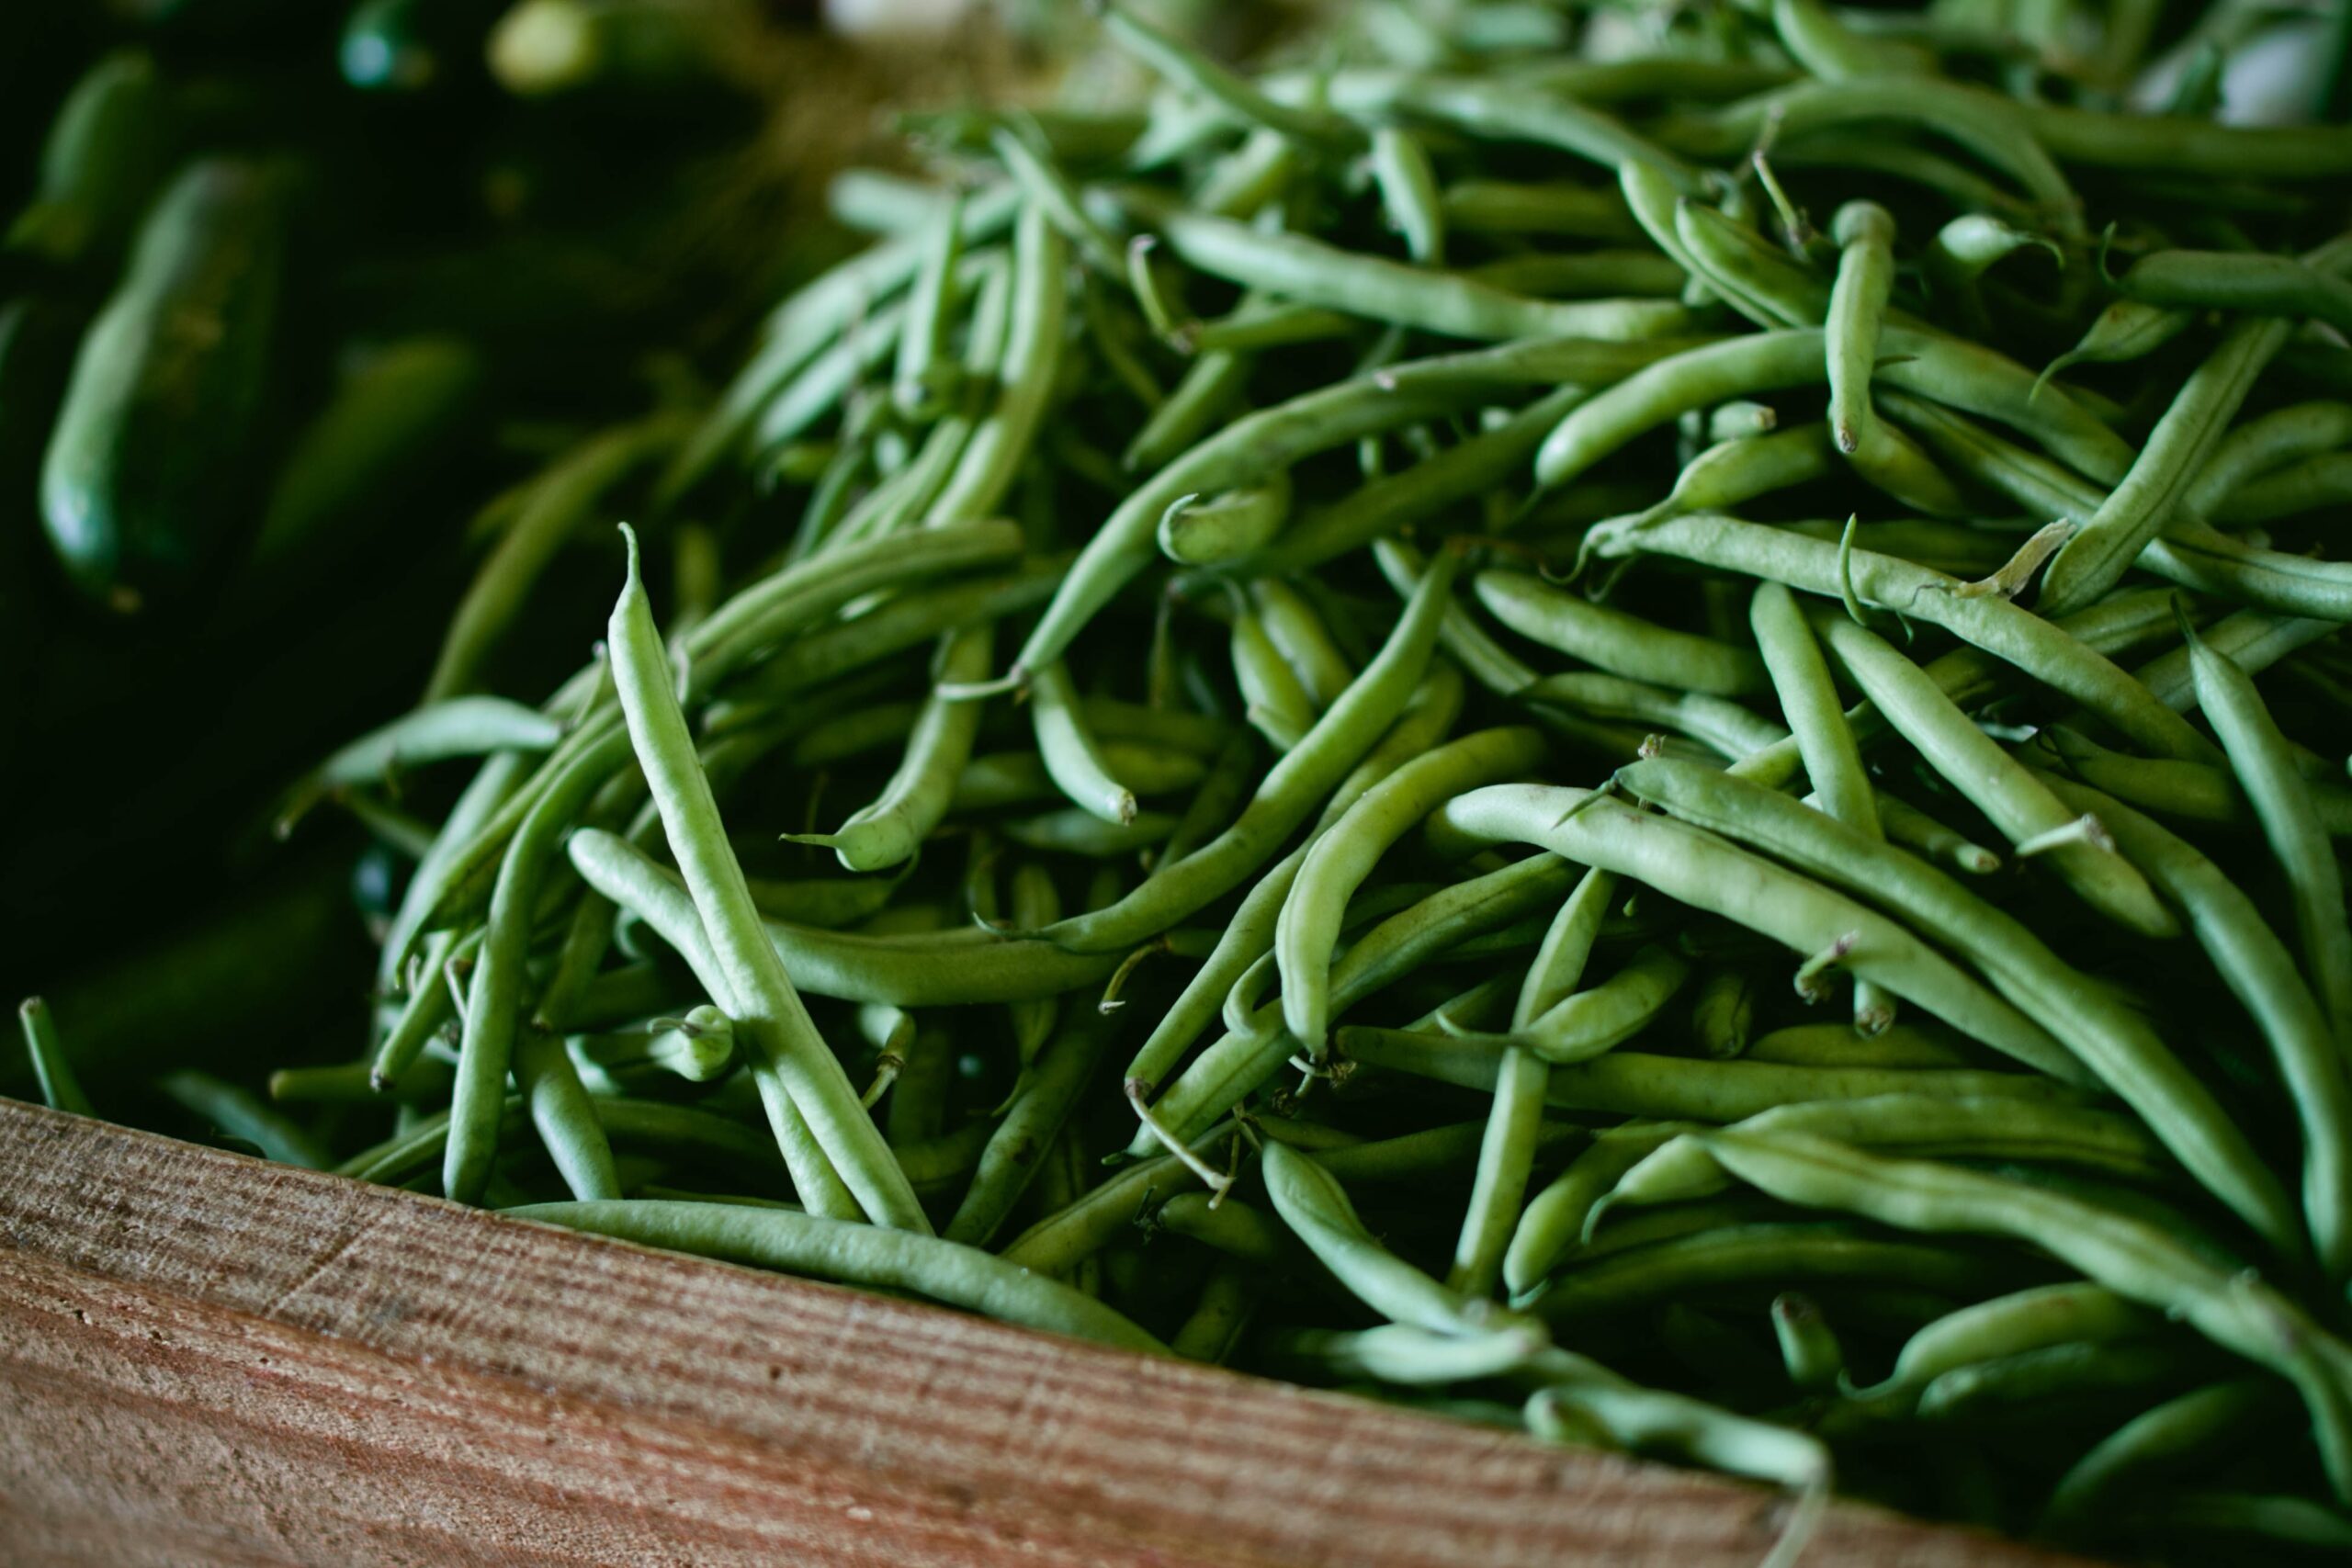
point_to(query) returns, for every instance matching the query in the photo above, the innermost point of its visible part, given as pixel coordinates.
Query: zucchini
(98, 167)
(141, 481)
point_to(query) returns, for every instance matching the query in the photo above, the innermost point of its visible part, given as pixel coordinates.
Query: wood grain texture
(206, 1359)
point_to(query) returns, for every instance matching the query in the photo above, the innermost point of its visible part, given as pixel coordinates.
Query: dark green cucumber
(99, 166)
(142, 483)
(382, 428)
(36, 336)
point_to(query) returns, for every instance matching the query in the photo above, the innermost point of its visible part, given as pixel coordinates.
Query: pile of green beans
(1640, 739)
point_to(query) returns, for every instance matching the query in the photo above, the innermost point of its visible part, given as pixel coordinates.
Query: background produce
(1621, 720)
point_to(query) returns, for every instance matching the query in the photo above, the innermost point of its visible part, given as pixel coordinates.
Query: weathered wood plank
(208, 1359)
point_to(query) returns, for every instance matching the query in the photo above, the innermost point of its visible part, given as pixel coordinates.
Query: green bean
(1377, 288)
(1256, 326)
(1077, 832)
(2143, 501)
(1731, 473)
(1506, 111)
(1720, 725)
(923, 341)
(1023, 152)
(1277, 705)
(1754, 1256)
(1186, 67)
(1723, 1013)
(2017, 802)
(2214, 562)
(699, 1047)
(1986, 125)
(1557, 1220)
(1055, 1244)
(1228, 1300)
(1863, 151)
(1865, 233)
(1620, 643)
(1631, 1083)
(1036, 1116)
(1476, 466)
(1288, 794)
(2252, 638)
(2075, 1312)
(1584, 274)
(1401, 1353)
(984, 469)
(953, 969)
(1408, 194)
(1836, 1045)
(1500, 206)
(2127, 329)
(2046, 652)
(1317, 1211)
(1809, 1347)
(1906, 825)
(2193, 791)
(2259, 284)
(2131, 1257)
(1199, 733)
(2250, 1521)
(1227, 1223)
(1276, 437)
(1514, 1125)
(889, 830)
(1307, 929)
(2290, 823)
(558, 501)
(494, 1001)
(1248, 935)
(1036, 903)
(2258, 971)
(2264, 444)
(1299, 636)
(809, 321)
(1752, 275)
(903, 620)
(1966, 247)
(855, 733)
(457, 726)
(1071, 755)
(2310, 485)
(1578, 1409)
(870, 1255)
(347, 1083)
(1237, 1065)
(2139, 506)
(1225, 528)
(2027, 1388)
(562, 1113)
(1694, 379)
(795, 1071)
(2106, 1036)
(2206, 1424)
(1709, 874)
(1209, 384)
(1832, 761)
(60, 1089)
(1579, 1027)
(1929, 1126)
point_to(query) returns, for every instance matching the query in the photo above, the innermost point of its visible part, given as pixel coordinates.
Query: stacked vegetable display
(1634, 727)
